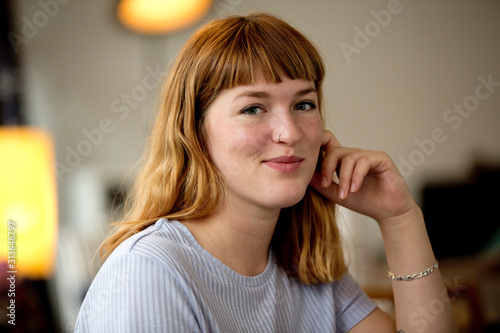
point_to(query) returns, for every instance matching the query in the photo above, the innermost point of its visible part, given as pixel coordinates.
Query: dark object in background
(10, 114)
(463, 218)
(34, 300)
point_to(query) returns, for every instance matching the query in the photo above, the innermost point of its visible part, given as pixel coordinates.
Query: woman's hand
(368, 181)
(370, 184)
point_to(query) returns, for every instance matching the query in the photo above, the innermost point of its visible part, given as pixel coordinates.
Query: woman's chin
(289, 199)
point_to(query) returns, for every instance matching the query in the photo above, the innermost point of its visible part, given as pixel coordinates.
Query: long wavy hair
(178, 180)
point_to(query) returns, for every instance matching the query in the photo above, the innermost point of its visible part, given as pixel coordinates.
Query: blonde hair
(179, 181)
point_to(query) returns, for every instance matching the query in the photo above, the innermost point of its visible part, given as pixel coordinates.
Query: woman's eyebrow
(263, 94)
(306, 91)
(258, 94)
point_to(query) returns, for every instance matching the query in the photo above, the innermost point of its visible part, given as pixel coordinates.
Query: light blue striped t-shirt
(162, 280)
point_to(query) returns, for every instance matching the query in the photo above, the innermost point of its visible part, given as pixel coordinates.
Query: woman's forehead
(263, 89)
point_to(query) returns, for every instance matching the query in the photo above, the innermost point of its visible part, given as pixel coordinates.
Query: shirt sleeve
(352, 304)
(134, 293)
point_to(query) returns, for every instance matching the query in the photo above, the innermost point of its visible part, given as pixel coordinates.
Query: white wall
(395, 89)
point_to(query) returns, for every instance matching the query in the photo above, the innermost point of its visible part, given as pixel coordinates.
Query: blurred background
(417, 79)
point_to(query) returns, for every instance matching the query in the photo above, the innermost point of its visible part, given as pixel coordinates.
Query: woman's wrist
(406, 242)
(398, 223)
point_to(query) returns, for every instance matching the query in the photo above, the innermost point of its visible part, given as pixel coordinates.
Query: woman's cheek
(316, 131)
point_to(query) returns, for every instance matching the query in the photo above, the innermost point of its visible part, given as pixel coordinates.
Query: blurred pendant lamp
(157, 17)
(28, 199)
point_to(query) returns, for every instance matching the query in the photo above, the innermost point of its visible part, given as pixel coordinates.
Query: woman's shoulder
(151, 265)
(164, 242)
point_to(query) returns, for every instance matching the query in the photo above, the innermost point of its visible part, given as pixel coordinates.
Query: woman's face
(265, 140)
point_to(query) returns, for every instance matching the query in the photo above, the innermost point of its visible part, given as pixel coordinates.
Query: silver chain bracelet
(414, 276)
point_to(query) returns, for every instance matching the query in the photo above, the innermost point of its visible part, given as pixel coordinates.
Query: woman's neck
(238, 239)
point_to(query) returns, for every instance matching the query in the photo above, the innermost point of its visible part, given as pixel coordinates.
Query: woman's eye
(305, 106)
(252, 110)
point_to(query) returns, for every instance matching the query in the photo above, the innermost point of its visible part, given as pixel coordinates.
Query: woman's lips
(284, 163)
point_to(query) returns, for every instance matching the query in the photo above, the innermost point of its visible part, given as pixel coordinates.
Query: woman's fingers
(368, 181)
(363, 166)
(351, 165)
(345, 172)
(339, 159)
(330, 192)
(329, 164)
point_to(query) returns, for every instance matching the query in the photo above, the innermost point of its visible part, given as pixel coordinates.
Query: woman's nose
(286, 128)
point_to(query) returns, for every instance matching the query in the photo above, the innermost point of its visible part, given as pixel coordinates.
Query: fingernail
(353, 187)
(324, 182)
(341, 193)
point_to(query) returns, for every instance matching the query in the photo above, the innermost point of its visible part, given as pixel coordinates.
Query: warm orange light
(28, 199)
(155, 17)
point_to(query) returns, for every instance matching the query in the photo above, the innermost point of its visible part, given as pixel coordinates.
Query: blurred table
(473, 285)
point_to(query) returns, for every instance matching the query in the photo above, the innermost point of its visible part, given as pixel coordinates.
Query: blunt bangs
(243, 48)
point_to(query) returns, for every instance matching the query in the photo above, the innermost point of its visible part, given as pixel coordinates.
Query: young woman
(231, 224)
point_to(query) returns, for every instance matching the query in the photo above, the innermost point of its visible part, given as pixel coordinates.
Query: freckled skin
(242, 126)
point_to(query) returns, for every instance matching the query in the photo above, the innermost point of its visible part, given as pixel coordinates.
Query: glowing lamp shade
(28, 200)
(155, 17)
